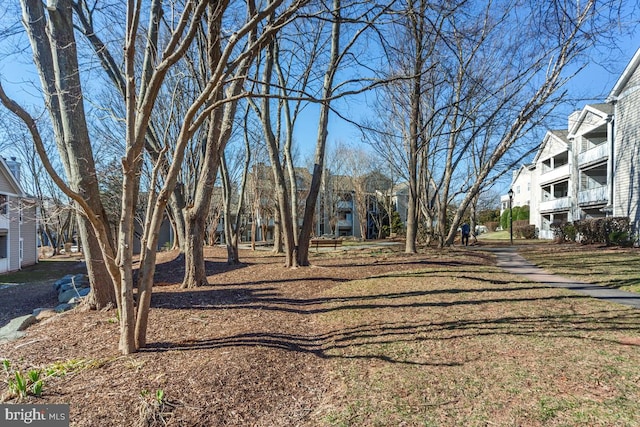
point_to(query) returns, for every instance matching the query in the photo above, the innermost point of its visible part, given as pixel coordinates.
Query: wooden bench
(326, 243)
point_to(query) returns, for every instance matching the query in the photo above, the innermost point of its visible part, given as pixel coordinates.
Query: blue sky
(592, 85)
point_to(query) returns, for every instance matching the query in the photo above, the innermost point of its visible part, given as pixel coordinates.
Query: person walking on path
(465, 234)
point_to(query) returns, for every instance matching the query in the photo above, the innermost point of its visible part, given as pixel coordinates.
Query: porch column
(610, 165)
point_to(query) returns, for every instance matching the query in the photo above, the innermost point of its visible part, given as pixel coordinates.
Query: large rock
(64, 280)
(63, 307)
(14, 329)
(65, 296)
(69, 281)
(44, 313)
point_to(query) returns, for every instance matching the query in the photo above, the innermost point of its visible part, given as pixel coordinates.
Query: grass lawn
(609, 266)
(459, 346)
(46, 269)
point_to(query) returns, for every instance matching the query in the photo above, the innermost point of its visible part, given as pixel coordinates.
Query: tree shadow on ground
(267, 298)
(371, 340)
(172, 272)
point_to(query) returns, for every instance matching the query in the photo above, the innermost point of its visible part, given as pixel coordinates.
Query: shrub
(521, 213)
(620, 238)
(527, 231)
(564, 232)
(504, 220)
(610, 230)
(570, 232)
(492, 225)
(397, 226)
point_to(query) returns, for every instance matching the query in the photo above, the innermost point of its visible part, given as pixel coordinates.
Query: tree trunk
(321, 141)
(194, 270)
(55, 57)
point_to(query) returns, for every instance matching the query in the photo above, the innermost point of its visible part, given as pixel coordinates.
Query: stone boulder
(14, 329)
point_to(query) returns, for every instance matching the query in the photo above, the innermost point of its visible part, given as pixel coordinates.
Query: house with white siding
(625, 167)
(521, 184)
(591, 169)
(18, 221)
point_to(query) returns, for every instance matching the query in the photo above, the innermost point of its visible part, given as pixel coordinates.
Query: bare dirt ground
(244, 351)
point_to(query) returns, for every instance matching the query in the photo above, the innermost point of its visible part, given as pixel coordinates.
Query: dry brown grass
(609, 266)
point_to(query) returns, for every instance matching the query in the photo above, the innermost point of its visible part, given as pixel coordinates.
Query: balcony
(345, 223)
(594, 196)
(344, 205)
(551, 175)
(593, 155)
(559, 204)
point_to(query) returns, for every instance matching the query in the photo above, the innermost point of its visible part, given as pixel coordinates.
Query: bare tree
(532, 77)
(471, 94)
(364, 18)
(54, 48)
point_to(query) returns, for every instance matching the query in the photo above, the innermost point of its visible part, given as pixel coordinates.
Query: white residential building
(592, 169)
(18, 220)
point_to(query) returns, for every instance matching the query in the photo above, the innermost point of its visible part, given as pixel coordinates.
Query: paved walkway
(511, 261)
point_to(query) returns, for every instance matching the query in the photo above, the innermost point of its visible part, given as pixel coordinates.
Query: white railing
(345, 223)
(593, 155)
(594, 195)
(555, 174)
(555, 204)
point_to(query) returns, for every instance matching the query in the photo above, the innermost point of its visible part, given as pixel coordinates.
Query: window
(3, 204)
(3, 246)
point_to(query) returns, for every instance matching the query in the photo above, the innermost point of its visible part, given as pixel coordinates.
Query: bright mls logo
(34, 415)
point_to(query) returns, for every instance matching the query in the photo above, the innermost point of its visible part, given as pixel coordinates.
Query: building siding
(604, 159)
(29, 235)
(5, 185)
(14, 235)
(627, 152)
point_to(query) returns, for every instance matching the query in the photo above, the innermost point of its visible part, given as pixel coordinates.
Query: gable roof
(521, 169)
(601, 111)
(624, 78)
(558, 135)
(11, 179)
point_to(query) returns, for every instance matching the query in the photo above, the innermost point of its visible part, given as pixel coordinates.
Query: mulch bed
(245, 350)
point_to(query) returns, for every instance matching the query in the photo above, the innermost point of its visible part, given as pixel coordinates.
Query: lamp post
(511, 216)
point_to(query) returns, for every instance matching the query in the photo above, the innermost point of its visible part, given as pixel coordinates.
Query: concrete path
(511, 261)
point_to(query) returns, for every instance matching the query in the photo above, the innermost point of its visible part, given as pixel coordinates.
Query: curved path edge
(509, 260)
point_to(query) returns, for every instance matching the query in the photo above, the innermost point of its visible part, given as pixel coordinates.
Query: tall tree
(260, 28)
(54, 51)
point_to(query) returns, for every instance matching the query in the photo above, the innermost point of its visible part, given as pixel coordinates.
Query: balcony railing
(344, 223)
(4, 222)
(593, 155)
(561, 203)
(556, 174)
(593, 196)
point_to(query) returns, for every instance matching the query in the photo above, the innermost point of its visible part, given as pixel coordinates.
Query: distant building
(18, 220)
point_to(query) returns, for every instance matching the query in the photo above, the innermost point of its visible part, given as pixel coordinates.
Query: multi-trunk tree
(143, 82)
(463, 88)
